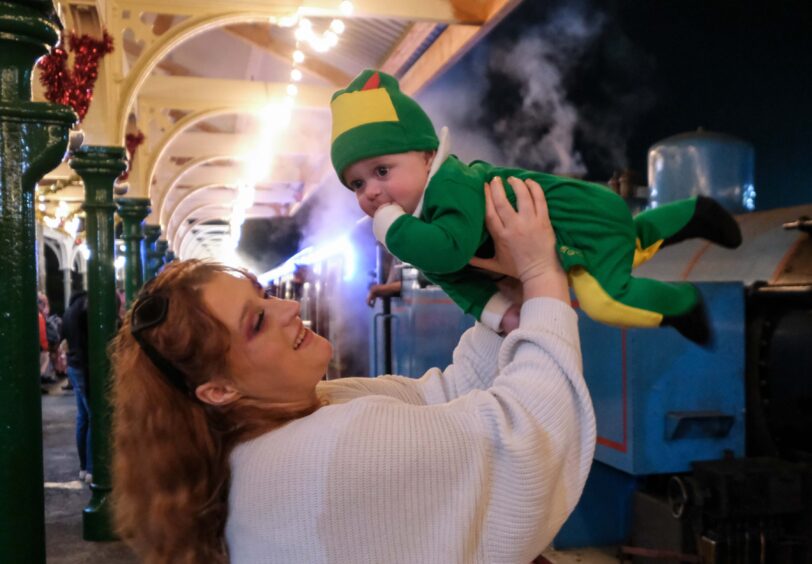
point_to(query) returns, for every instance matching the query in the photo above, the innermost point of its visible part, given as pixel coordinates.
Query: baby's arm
(447, 236)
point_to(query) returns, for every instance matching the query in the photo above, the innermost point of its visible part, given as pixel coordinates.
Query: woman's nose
(287, 310)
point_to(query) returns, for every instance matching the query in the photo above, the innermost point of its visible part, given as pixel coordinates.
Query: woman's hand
(502, 260)
(526, 236)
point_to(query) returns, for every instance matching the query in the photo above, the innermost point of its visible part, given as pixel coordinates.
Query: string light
(276, 117)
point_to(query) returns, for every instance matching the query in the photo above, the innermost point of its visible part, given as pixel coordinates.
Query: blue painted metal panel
(426, 327)
(662, 402)
(603, 514)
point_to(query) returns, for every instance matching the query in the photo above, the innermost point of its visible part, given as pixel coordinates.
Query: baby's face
(398, 178)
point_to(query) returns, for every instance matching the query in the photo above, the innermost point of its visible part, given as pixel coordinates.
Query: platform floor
(66, 496)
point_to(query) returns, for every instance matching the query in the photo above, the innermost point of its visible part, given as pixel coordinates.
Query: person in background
(390, 288)
(75, 330)
(45, 369)
(230, 447)
(53, 331)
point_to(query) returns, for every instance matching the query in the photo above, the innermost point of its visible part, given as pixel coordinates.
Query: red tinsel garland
(74, 88)
(131, 142)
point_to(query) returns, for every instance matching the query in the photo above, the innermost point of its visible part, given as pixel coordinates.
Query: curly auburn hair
(170, 461)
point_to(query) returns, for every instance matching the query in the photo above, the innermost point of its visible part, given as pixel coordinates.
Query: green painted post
(99, 167)
(33, 139)
(151, 234)
(133, 212)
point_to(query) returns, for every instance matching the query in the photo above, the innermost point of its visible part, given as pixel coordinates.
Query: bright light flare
(337, 26)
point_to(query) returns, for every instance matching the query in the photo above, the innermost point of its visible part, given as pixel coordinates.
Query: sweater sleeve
(474, 366)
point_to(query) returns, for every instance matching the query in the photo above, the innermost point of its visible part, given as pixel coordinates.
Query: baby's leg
(685, 219)
(641, 302)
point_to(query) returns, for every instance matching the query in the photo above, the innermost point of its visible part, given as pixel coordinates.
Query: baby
(428, 209)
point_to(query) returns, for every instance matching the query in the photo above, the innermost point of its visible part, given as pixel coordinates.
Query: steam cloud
(561, 95)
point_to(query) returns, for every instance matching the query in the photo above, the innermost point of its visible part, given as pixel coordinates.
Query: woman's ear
(217, 392)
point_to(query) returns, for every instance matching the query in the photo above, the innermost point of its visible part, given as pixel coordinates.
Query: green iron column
(99, 167)
(33, 140)
(133, 212)
(151, 234)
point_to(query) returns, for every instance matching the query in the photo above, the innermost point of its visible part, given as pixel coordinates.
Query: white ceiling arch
(220, 197)
(162, 210)
(209, 212)
(161, 46)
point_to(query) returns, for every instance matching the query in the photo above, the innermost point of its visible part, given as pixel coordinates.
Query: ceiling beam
(449, 11)
(414, 37)
(452, 44)
(199, 93)
(194, 143)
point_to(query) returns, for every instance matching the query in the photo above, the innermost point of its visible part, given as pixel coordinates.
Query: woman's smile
(301, 336)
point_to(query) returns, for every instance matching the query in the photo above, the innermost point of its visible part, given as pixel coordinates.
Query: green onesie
(598, 240)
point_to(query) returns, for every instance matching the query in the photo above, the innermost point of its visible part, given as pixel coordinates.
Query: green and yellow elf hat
(372, 117)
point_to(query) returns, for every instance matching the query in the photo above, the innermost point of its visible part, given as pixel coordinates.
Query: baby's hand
(510, 320)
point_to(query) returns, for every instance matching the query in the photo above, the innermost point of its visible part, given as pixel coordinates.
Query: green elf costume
(598, 240)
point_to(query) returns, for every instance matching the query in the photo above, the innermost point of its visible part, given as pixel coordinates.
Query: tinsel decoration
(74, 87)
(131, 141)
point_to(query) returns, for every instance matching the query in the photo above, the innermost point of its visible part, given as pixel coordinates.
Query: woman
(229, 445)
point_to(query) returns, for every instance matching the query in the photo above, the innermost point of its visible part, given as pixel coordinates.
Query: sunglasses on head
(149, 311)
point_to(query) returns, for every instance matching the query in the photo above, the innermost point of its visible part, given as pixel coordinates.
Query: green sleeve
(469, 288)
(447, 235)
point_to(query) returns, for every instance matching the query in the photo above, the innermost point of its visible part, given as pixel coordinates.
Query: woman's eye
(260, 319)
(382, 171)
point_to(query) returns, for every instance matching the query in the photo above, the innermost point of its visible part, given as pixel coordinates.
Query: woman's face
(273, 358)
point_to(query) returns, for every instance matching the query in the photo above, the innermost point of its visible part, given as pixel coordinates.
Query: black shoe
(693, 325)
(712, 222)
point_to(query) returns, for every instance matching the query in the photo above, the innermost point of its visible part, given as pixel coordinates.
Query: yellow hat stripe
(352, 109)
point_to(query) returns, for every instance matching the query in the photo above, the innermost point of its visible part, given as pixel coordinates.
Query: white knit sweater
(479, 463)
